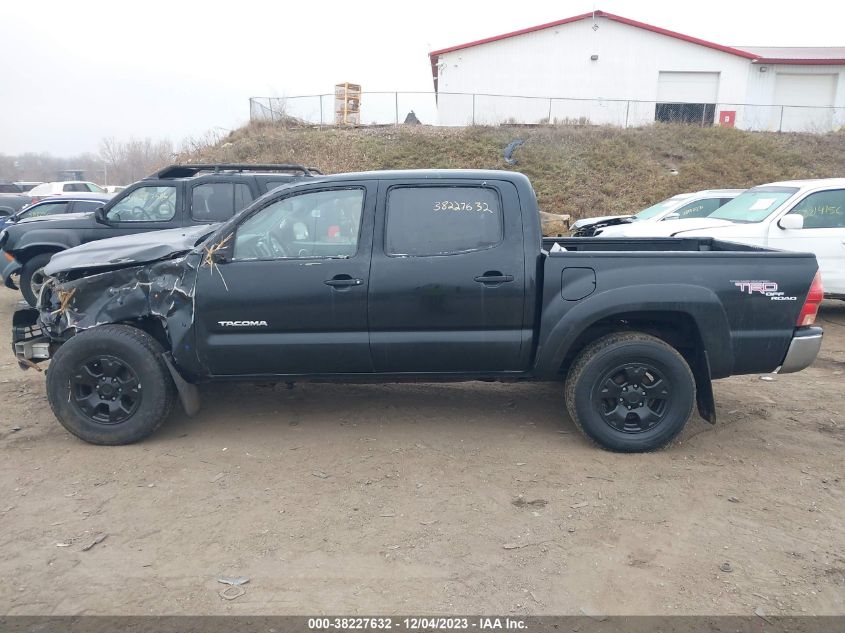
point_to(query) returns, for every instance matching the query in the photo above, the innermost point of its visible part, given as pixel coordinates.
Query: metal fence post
(321, 111)
(627, 108)
(780, 125)
(396, 99)
(473, 108)
(250, 109)
(550, 112)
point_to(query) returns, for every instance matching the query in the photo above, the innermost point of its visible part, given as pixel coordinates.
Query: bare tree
(116, 163)
(128, 161)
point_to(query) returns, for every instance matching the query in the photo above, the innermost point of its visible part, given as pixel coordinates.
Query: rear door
(823, 234)
(447, 282)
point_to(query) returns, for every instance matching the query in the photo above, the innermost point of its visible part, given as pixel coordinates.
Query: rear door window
(428, 221)
(50, 208)
(218, 201)
(82, 206)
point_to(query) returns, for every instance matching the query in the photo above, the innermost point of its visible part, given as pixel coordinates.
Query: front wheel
(630, 392)
(33, 277)
(109, 385)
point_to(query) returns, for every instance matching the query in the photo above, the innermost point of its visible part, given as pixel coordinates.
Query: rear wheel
(110, 385)
(630, 392)
(33, 277)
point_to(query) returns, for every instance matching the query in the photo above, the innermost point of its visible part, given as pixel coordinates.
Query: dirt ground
(402, 499)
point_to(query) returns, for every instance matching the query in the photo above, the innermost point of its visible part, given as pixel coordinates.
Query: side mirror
(218, 256)
(672, 216)
(792, 221)
(100, 216)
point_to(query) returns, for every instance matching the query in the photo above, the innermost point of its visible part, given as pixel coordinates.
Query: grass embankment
(579, 170)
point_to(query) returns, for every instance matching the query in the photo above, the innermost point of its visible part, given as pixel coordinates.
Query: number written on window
(428, 221)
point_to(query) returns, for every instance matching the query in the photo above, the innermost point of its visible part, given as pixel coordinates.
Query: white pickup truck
(807, 216)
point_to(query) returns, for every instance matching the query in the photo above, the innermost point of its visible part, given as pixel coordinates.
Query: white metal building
(604, 68)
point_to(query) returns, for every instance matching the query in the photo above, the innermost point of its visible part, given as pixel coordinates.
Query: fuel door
(577, 283)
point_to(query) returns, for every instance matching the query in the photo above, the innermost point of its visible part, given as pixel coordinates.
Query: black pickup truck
(178, 195)
(414, 275)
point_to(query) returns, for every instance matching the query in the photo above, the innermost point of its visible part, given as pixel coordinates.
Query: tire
(32, 277)
(88, 370)
(630, 392)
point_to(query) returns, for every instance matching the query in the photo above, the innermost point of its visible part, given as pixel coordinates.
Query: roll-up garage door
(678, 87)
(686, 97)
(807, 102)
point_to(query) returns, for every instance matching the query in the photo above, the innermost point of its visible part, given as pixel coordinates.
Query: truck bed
(651, 244)
(742, 300)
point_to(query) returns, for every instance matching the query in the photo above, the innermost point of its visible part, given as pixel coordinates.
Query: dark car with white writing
(413, 275)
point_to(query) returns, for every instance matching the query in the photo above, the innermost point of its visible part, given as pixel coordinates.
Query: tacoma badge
(243, 323)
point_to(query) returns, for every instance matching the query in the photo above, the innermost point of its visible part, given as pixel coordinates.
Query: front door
(823, 234)
(447, 283)
(292, 299)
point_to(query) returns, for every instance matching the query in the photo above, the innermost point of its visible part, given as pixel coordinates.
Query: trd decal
(766, 288)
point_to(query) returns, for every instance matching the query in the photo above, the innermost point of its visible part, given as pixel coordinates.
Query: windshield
(658, 208)
(755, 205)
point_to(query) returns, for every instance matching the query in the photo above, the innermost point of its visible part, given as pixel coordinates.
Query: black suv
(176, 196)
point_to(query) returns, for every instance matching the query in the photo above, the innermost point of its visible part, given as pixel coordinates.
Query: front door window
(146, 204)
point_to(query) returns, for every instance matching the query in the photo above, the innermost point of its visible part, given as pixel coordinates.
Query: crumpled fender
(161, 290)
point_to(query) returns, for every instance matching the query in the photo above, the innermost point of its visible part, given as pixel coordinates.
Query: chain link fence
(461, 109)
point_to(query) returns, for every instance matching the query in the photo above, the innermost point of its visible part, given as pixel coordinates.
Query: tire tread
(163, 401)
(588, 353)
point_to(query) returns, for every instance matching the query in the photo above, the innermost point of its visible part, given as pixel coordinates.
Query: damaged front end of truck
(146, 285)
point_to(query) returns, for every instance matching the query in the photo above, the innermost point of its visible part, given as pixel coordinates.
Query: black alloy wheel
(633, 397)
(106, 390)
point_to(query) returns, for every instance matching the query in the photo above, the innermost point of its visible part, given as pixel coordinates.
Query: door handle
(343, 281)
(493, 277)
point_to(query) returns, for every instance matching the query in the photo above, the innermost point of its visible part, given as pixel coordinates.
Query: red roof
(434, 55)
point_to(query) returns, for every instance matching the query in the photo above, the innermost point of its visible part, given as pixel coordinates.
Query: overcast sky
(75, 72)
